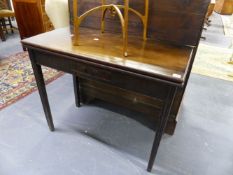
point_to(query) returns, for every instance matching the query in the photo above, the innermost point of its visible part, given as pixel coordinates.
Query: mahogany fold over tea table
(150, 65)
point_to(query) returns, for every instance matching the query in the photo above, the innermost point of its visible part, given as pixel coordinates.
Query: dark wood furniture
(151, 65)
(152, 79)
(224, 7)
(179, 22)
(176, 21)
(31, 17)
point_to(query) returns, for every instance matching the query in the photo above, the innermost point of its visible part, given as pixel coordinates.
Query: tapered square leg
(42, 90)
(162, 125)
(76, 91)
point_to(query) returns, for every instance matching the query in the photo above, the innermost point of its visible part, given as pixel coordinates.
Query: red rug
(17, 78)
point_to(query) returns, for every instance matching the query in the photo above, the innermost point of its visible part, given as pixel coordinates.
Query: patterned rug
(214, 62)
(17, 78)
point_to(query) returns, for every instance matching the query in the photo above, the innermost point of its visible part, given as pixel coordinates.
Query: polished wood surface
(30, 17)
(166, 62)
(224, 7)
(114, 10)
(177, 21)
(151, 58)
(153, 77)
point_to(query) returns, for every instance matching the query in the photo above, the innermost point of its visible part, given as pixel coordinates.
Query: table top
(151, 58)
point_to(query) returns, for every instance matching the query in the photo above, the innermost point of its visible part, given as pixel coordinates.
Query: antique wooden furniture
(152, 79)
(152, 65)
(115, 9)
(5, 19)
(31, 18)
(178, 22)
(224, 7)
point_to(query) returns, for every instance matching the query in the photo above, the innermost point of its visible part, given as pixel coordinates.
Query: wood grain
(152, 58)
(31, 17)
(176, 21)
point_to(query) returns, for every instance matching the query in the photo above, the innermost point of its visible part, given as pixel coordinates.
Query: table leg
(2, 34)
(164, 116)
(42, 90)
(76, 91)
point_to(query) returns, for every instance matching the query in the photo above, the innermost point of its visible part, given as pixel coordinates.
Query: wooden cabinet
(31, 17)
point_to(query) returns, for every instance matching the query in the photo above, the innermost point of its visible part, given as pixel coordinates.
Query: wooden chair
(5, 19)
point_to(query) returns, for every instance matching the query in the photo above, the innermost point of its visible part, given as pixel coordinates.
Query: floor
(11, 45)
(215, 33)
(104, 139)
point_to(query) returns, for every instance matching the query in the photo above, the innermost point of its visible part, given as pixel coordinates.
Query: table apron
(123, 79)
